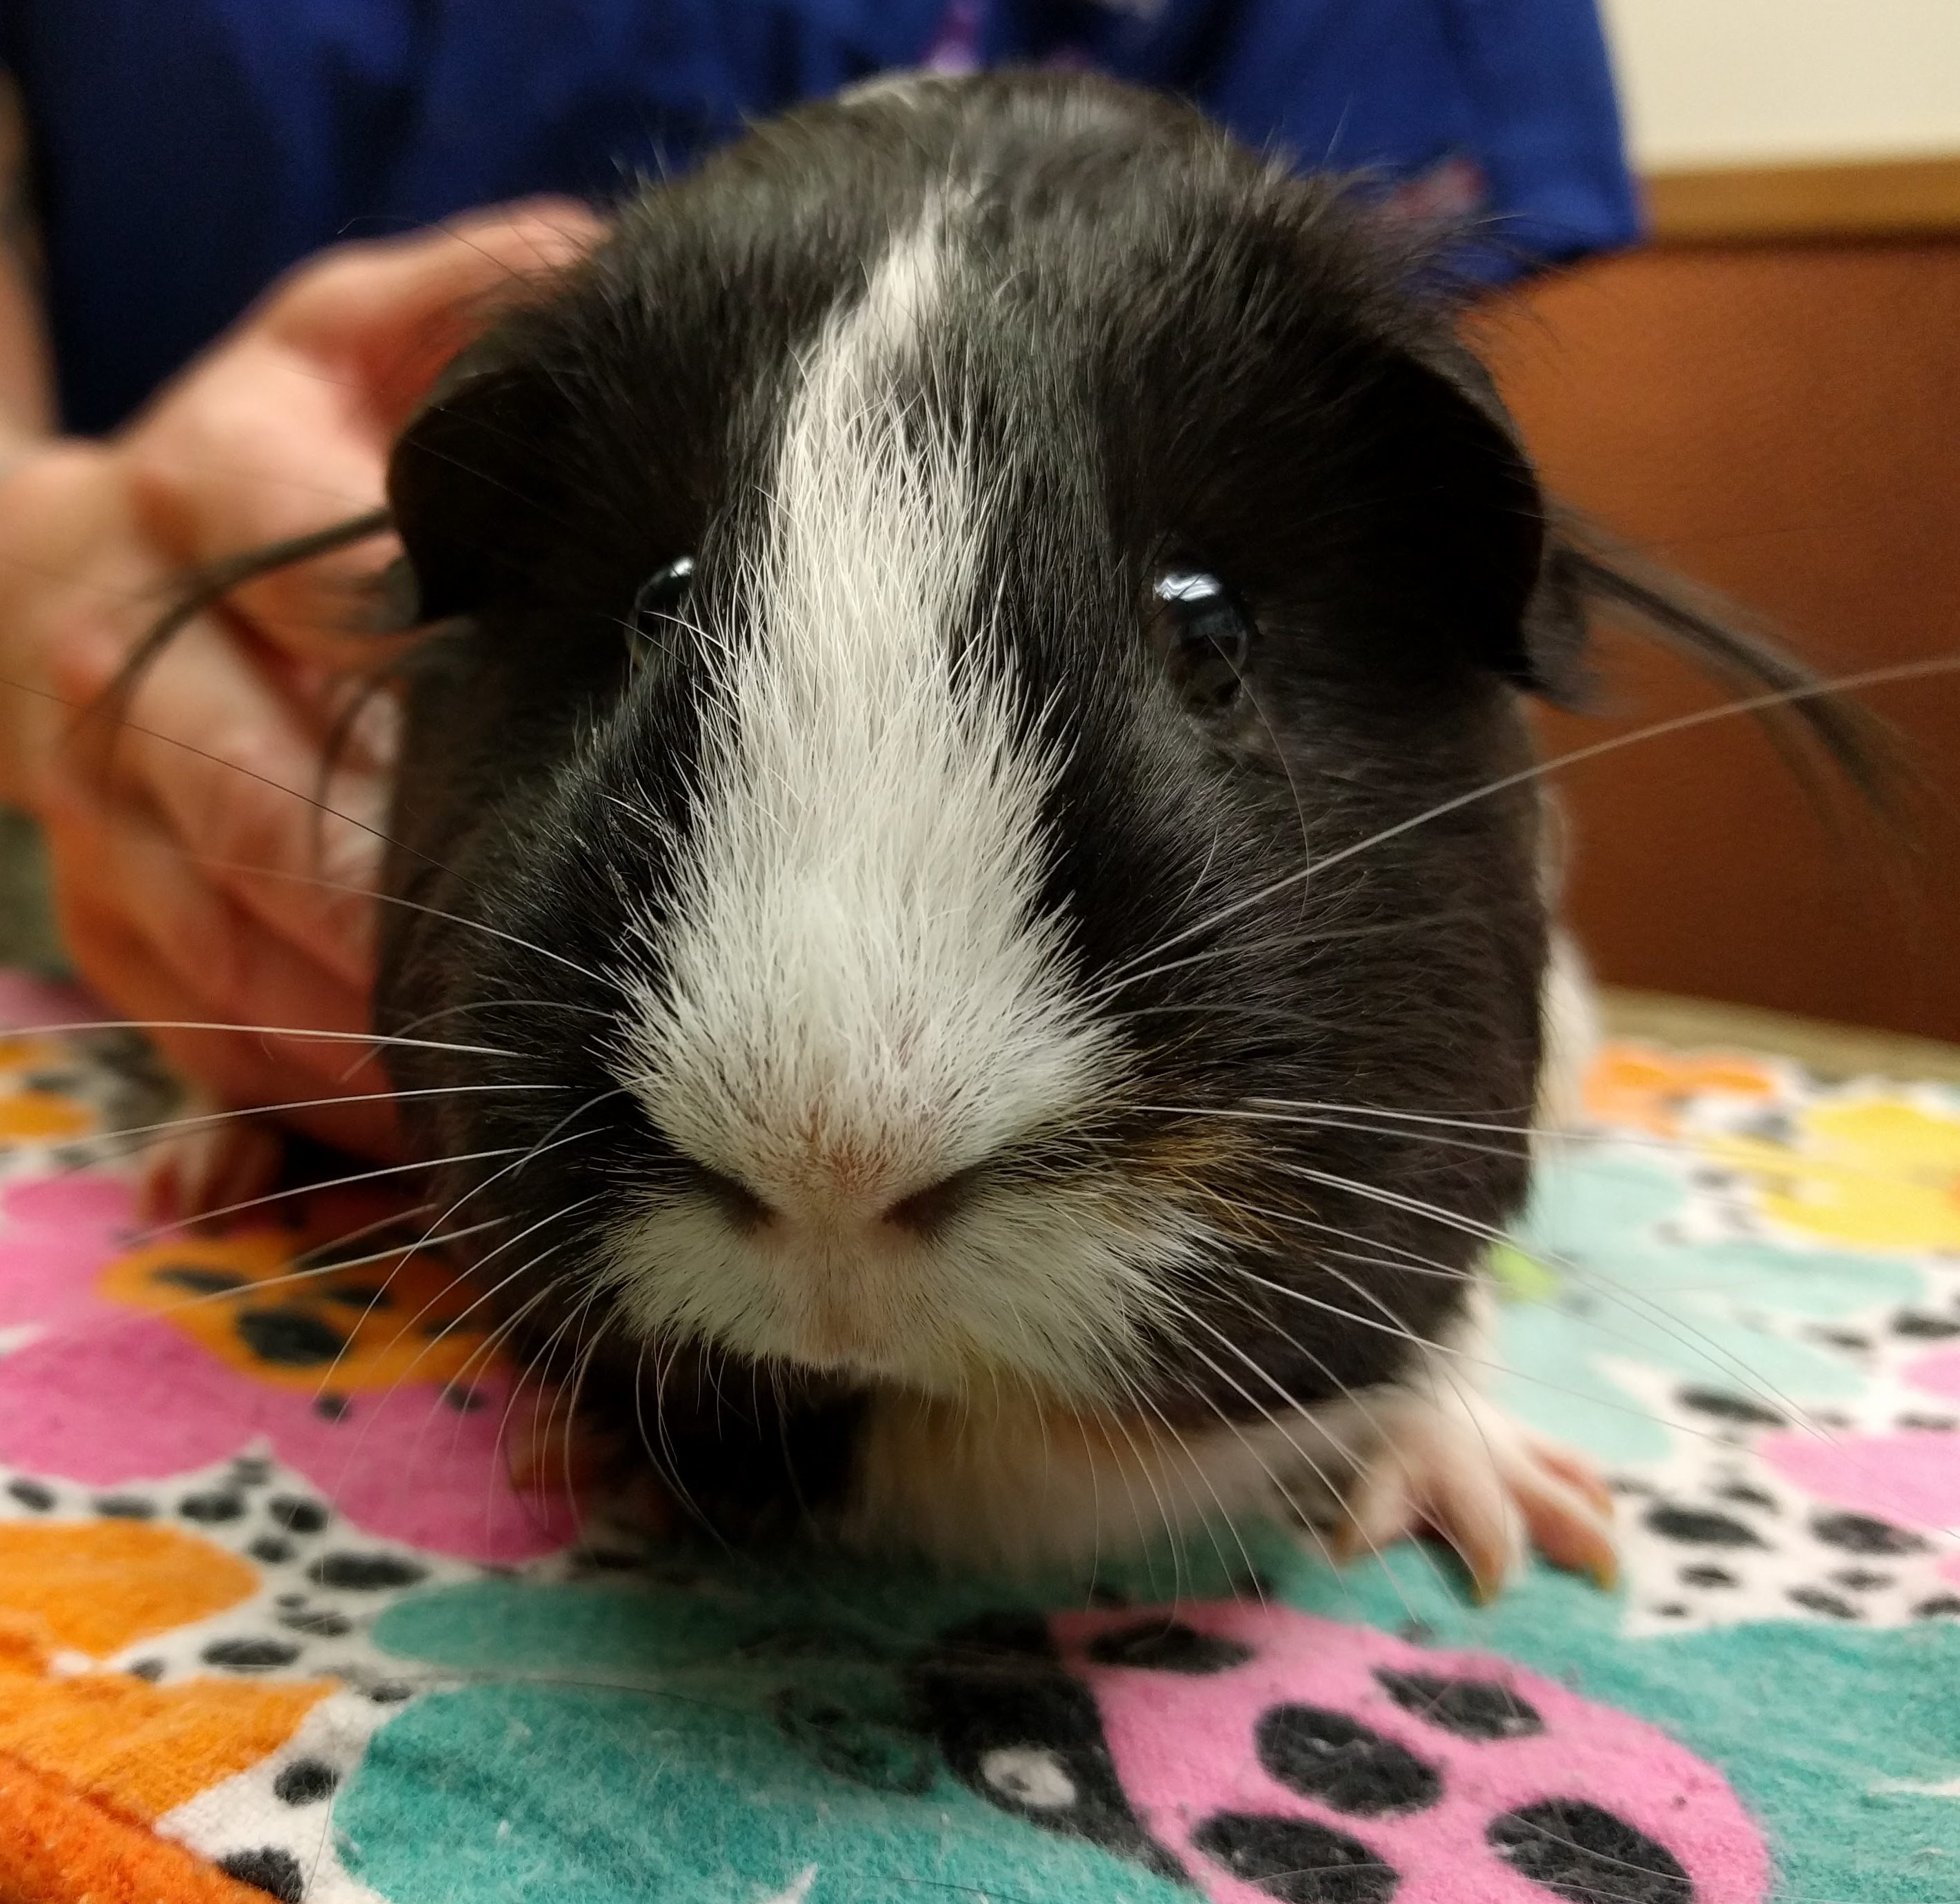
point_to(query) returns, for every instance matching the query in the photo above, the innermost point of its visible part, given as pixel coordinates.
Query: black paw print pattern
(1254, 1753)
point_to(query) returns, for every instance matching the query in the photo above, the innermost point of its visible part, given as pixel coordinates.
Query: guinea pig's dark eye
(656, 606)
(1205, 636)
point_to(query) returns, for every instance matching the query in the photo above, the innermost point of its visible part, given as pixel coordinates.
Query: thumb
(284, 429)
(392, 312)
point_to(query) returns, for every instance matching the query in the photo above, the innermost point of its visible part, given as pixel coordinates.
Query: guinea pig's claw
(1456, 1466)
(1569, 1520)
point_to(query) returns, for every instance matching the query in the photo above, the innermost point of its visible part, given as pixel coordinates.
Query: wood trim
(1885, 198)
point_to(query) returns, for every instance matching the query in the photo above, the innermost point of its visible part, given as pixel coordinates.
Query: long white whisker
(249, 1290)
(1413, 1262)
(1679, 723)
(1197, 1468)
(218, 760)
(1258, 1460)
(497, 1339)
(476, 1268)
(1455, 1353)
(266, 1031)
(1353, 1396)
(549, 1142)
(480, 1359)
(1266, 1414)
(668, 1472)
(315, 1271)
(1521, 1151)
(1452, 1219)
(518, 1163)
(582, 1369)
(1123, 978)
(319, 881)
(1164, 1515)
(169, 1127)
(1129, 1495)
(540, 1366)
(1372, 1297)
(393, 899)
(507, 1004)
(1793, 1163)
(1521, 1129)
(304, 1189)
(449, 1327)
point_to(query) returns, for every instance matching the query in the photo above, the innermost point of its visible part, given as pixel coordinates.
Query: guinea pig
(967, 881)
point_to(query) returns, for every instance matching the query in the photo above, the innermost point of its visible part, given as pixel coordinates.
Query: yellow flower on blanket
(1881, 1171)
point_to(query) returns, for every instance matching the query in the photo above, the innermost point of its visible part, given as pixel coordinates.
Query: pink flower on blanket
(1257, 1744)
(369, 1379)
(1938, 1373)
(1909, 1480)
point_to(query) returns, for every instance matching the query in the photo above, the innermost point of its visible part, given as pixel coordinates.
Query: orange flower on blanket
(362, 1361)
(34, 1108)
(362, 1328)
(1638, 1088)
(71, 1595)
(1882, 1172)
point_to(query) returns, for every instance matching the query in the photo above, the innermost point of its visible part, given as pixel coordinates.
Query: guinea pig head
(947, 821)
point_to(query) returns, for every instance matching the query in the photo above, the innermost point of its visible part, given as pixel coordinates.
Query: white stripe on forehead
(854, 969)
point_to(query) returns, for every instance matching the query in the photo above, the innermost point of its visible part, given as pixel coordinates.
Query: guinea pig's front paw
(1456, 1464)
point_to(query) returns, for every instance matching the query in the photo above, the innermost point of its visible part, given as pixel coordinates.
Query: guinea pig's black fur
(994, 937)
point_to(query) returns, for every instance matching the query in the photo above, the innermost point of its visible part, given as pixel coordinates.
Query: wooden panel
(1881, 198)
(1784, 423)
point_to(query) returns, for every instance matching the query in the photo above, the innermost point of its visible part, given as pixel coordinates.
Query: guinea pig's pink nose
(827, 1196)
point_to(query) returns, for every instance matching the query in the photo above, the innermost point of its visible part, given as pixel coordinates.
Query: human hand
(209, 870)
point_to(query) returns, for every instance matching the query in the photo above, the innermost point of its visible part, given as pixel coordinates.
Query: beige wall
(1749, 82)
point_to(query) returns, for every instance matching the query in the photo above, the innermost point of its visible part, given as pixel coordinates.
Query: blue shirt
(187, 151)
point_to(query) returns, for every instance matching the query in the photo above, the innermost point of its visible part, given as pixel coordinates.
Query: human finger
(284, 432)
(240, 776)
(242, 1069)
(393, 311)
(235, 971)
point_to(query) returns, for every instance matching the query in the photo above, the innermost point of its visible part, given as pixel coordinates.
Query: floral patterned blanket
(277, 1617)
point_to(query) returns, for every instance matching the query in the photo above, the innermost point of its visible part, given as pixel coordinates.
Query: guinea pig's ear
(474, 487)
(1461, 490)
(1525, 580)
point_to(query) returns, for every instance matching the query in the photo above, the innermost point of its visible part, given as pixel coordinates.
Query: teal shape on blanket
(1704, 1313)
(618, 1798)
(712, 1741)
(1594, 1196)
(719, 1737)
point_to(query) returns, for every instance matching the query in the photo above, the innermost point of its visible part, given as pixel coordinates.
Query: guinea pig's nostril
(734, 1199)
(931, 1208)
